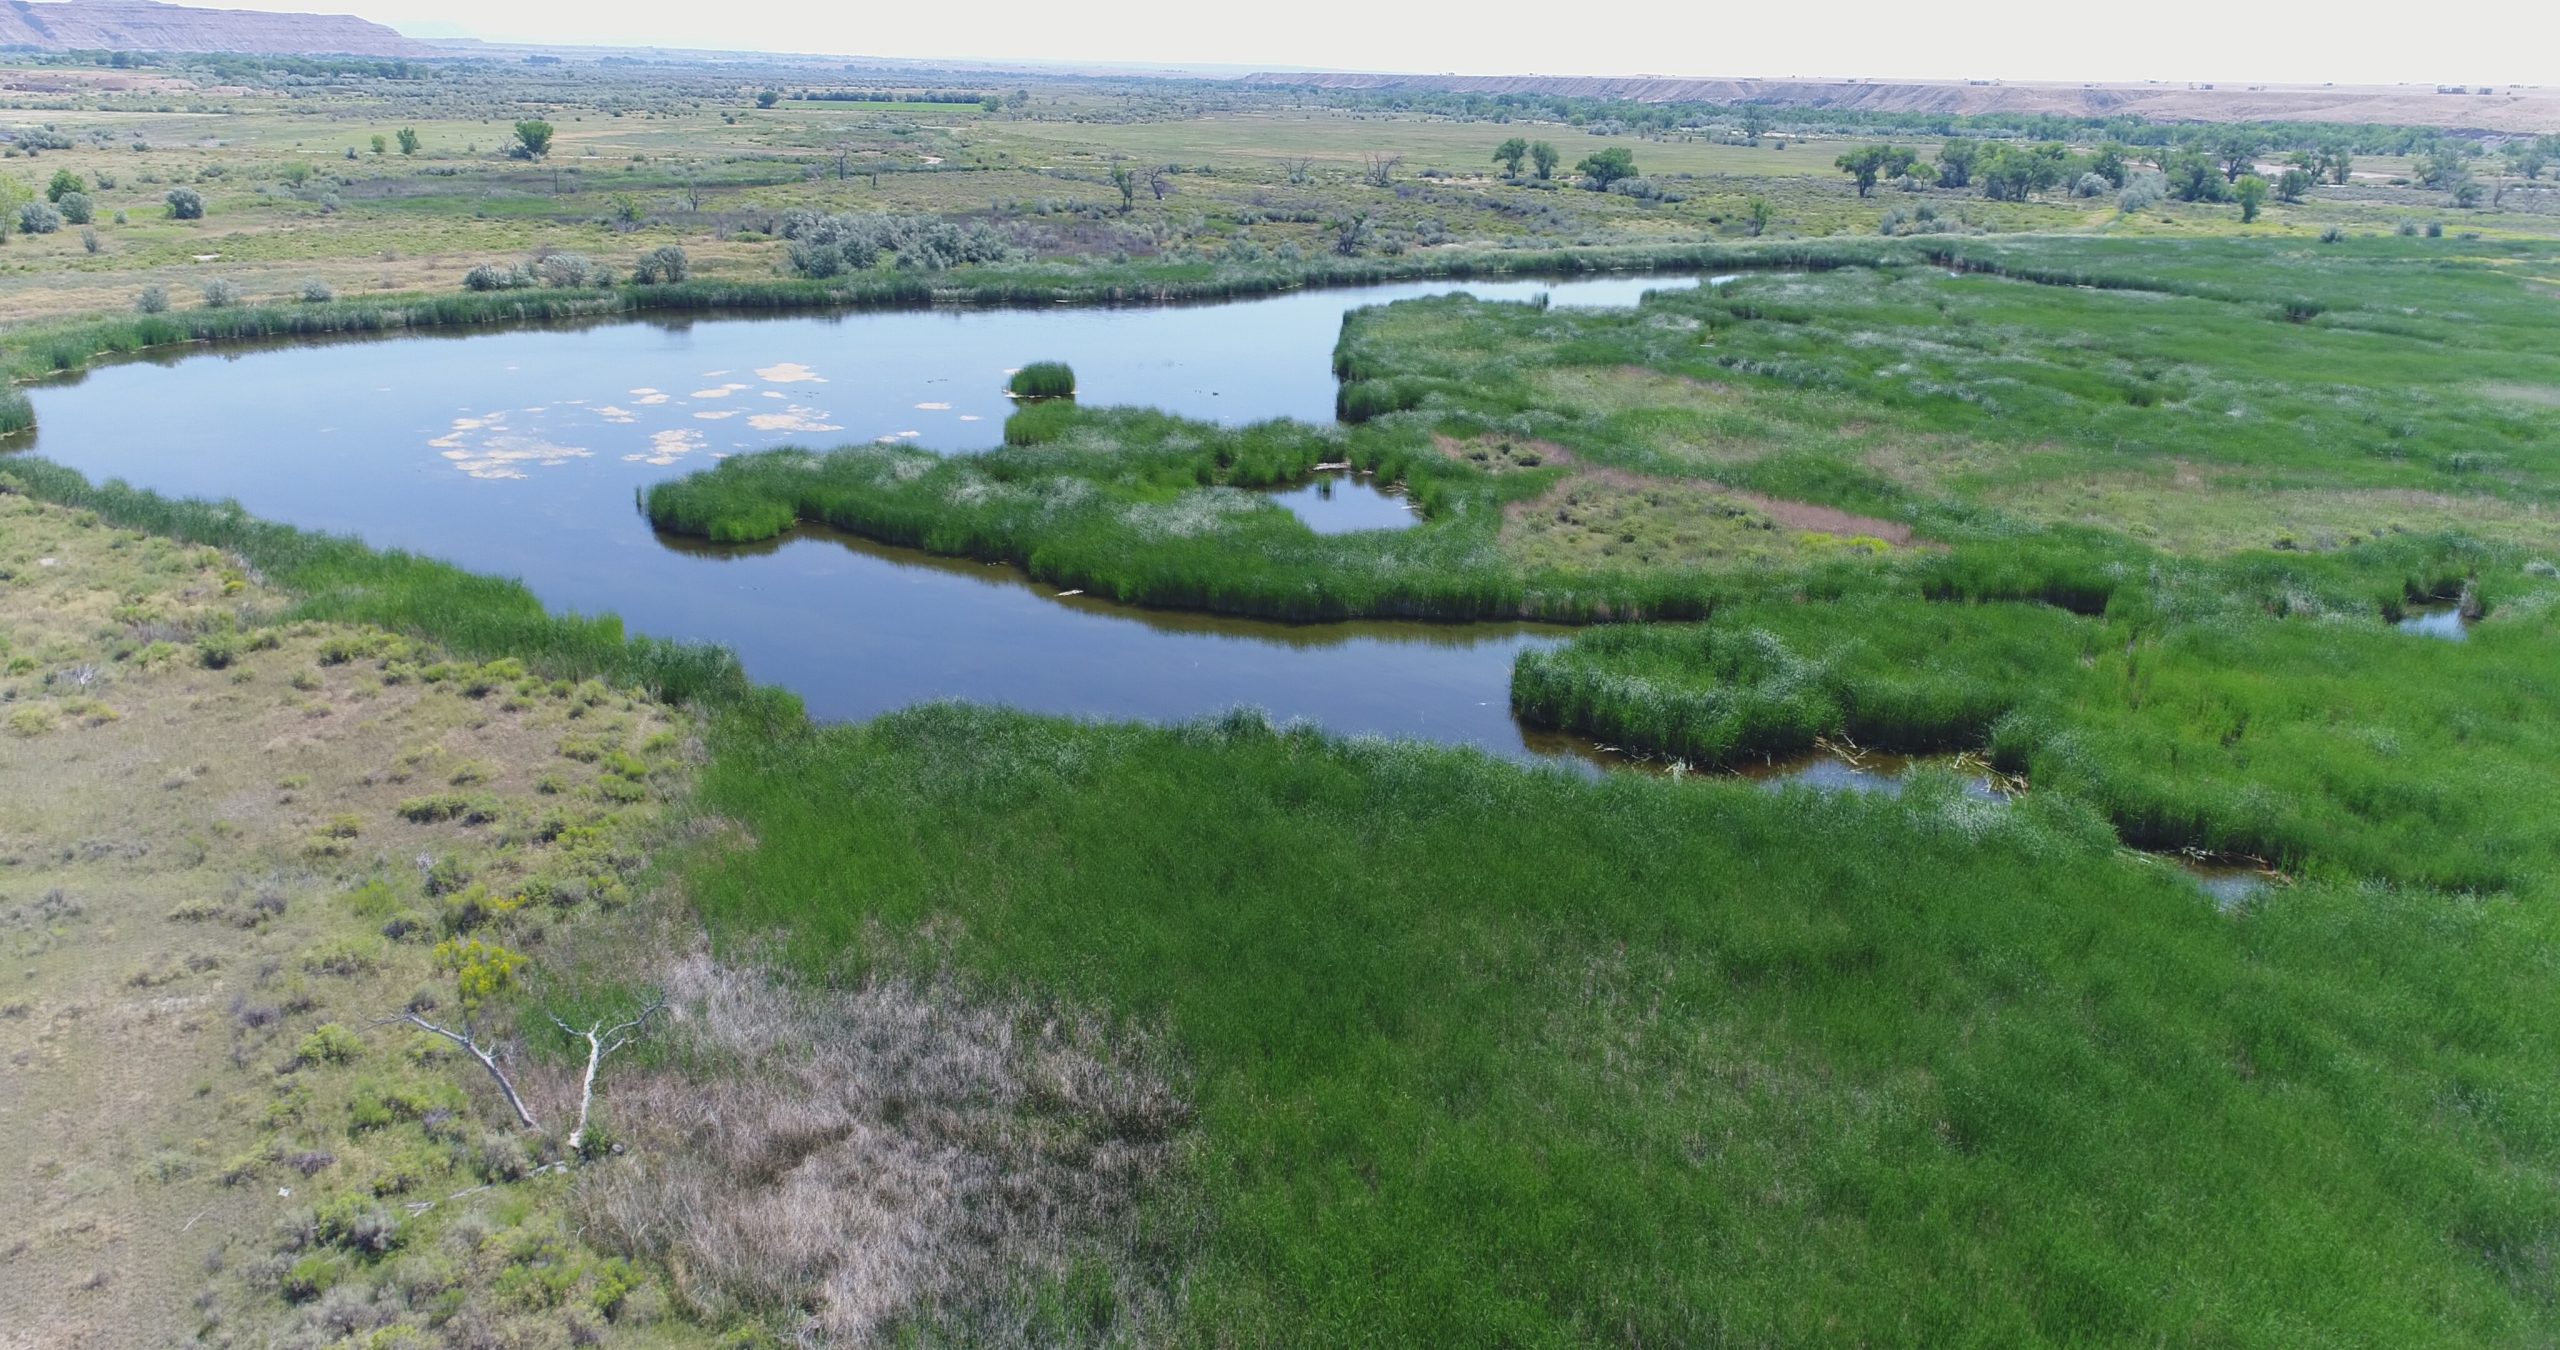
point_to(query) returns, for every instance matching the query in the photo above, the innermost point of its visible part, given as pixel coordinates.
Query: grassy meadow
(985, 1028)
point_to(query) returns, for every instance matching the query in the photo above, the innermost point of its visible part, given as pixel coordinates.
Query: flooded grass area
(2445, 622)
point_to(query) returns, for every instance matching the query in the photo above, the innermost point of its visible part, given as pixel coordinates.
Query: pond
(1338, 501)
(519, 452)
(2443, 621)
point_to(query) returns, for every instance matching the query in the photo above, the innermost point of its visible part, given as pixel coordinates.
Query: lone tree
(1127, 182)
(1545, 157)
(533, 139)
(1509, 154)
(1607, 166)
(1381, 170)
(409, 142)
(768, 97)
(2251, 192)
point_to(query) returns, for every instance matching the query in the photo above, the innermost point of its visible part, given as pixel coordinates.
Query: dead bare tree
(486, 1054)
(601, 1041)
(844, 162)
(1300, 169)
(1382, 169)
(1160, 182)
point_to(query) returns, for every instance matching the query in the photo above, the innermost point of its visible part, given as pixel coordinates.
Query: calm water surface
(519, 452)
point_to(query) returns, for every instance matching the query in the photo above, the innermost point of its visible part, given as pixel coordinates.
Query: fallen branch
(488, 1060)
(422, 1206)
(601, 1041)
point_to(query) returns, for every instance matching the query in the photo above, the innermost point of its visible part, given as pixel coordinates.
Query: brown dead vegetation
(1502, 454)
(898, 1153)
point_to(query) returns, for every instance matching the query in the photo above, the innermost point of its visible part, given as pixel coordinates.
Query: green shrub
(330, 1043)
(664, 265)
(1043, 379)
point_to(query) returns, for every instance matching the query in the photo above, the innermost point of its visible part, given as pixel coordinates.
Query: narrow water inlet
(2231, 885)
(1831, 769)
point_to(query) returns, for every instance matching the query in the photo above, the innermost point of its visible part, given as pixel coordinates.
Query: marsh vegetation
(989, 1026)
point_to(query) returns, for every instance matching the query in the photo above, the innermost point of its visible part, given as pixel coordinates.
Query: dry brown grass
(893, 1158)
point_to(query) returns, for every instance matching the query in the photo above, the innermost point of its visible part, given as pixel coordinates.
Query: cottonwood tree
(1956, 159)
(2291, 184)
(1607, 166)
(2442, 167)
(1869, 162)
(2238, 151)
(533, 139)
(1510, 153)
(1545, 157)
(409, 141)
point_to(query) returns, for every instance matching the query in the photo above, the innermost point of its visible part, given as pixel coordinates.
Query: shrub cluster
(831, 245)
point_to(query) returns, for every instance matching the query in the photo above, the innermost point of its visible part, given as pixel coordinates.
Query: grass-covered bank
(70, 346)
(2189, 715)
(1497, 1055)
(337, 578)
(1146, 509)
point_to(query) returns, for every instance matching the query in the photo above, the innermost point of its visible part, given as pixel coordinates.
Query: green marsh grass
(475, 616)
(1043, 379)
(1486, 1054)
(1481, 1053)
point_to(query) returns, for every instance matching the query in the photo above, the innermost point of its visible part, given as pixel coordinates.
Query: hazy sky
(2348, 41)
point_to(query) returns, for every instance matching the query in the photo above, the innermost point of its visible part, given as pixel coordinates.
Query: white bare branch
(488, 1058)
(601, 1041)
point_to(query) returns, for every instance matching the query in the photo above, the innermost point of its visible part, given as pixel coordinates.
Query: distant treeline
(235, 67)
(1755, 119)
(893, 96)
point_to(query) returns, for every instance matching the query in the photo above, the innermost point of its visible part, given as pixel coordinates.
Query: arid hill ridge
(2506, 109)
(146, 26)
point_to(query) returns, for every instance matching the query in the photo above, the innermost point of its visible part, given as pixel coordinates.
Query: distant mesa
(147, 26)
(2519, 110)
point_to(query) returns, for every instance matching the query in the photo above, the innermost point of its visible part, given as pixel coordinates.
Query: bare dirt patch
(1603, 518)
(1502, 454)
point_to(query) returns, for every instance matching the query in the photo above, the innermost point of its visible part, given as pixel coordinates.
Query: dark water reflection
(1340, 502)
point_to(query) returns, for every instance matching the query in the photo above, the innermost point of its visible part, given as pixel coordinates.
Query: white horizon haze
(2175, 42)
